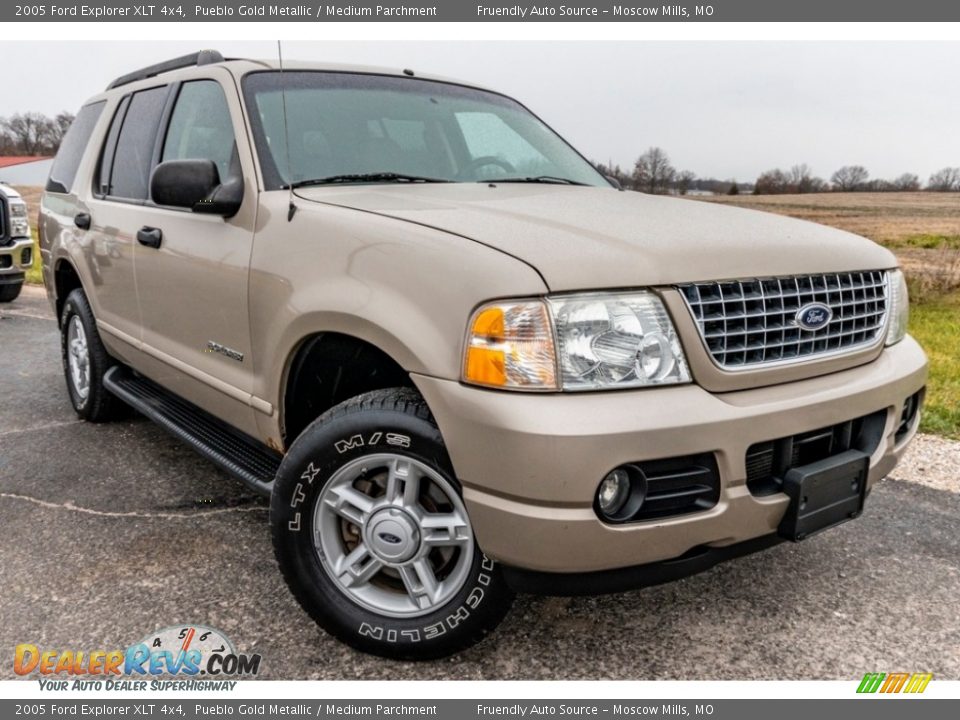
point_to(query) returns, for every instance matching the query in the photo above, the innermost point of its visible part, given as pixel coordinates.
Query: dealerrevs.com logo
(185, 651)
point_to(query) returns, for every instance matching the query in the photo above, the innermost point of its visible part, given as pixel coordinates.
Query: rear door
(192, 289)
(116, 198)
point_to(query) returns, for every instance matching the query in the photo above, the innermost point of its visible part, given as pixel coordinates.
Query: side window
(132, 159)
(109, 149)
(200, 127)
(64, 170)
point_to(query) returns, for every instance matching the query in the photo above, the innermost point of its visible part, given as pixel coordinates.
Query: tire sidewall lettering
(450, 621)
(357, 444)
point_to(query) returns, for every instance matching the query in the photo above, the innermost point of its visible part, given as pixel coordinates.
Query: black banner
(146, 708)
(482, 11)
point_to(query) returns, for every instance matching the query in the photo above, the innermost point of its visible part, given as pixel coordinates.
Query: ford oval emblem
(814, 316)
(390, 538)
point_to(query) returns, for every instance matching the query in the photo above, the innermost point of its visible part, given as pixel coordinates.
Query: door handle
(149, 236)
(82, 221)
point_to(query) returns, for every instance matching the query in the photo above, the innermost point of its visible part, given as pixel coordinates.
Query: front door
(192, 286)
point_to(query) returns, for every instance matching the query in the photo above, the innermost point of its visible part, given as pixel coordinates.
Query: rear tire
(373, 538)
(9, 293)
(85, 361)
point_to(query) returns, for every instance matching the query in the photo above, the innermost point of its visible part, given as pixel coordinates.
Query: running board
(236, 453)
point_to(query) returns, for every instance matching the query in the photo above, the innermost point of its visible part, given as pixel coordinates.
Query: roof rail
(204, 57)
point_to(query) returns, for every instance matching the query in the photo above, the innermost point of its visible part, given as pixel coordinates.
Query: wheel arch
(66, 279)
(327, 367)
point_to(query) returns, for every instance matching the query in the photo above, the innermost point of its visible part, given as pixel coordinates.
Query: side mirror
(195, 184)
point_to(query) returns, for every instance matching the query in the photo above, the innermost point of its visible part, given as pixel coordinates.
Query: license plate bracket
(824, 494)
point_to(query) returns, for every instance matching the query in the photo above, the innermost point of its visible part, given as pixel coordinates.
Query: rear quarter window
(64, 170)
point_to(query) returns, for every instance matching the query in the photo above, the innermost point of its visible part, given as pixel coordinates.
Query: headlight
(616, 341)
(594, 342)
(510, 345)
(899, 307)
(19, 224)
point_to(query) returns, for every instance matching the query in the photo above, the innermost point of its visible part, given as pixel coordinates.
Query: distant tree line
(33, 133)
(653, 172)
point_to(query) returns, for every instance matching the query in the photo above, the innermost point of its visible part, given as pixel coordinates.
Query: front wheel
(372, 535)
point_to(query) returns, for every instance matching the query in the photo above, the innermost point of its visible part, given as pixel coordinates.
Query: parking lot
(112, 531)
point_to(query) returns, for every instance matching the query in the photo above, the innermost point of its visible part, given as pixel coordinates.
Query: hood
(582, 238)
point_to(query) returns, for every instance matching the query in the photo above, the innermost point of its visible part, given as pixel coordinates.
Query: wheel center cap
(392, 535)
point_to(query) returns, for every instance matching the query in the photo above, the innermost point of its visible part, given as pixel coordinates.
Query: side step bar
(238, 454)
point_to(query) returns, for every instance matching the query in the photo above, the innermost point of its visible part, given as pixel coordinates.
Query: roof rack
(204, 57)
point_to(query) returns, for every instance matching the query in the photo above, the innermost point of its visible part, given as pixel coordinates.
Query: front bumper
(530, 464)
(12, 265)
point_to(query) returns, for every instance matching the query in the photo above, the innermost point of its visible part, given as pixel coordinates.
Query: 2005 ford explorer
(460, 361)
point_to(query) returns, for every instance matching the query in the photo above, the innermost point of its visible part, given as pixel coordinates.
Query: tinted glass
(109, 148)
(134, 154)
(200, 127)
(64, 170)
(350, 123)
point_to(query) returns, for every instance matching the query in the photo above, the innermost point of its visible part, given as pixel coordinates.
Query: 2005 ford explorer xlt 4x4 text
(459, 360)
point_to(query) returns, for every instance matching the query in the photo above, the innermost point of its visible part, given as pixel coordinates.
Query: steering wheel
(483, 161)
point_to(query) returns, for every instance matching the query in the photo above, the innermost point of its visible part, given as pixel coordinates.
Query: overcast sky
(727, 110)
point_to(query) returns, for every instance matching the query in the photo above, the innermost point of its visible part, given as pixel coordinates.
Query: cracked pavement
(112, 531)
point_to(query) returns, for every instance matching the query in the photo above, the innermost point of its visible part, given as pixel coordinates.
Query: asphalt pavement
(112, 531)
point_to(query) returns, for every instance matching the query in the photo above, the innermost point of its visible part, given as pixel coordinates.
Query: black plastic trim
(239, 455)
(6, 234)
(12, 278)
(694, 561)
(204, 57)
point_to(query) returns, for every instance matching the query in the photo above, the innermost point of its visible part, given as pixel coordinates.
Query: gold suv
(459, 360)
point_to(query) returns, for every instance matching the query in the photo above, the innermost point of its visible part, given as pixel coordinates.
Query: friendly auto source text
(518, 710)
(632, 11)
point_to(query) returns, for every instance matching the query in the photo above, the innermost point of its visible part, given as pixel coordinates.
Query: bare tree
(800, 179)
(771, 182)
(849, 178)
(685, 180)
(33, 133)
(946, 180)
(877, 185)
(908, 182)
(30, 132)
(653, 172)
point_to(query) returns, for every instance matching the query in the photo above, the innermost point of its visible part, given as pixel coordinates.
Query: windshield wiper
(547, 179)
(374, 177)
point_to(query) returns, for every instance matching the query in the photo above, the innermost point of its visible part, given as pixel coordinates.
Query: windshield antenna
(291, 209)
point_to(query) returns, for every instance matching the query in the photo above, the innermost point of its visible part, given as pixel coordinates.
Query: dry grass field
(887, 218)
(922, 228)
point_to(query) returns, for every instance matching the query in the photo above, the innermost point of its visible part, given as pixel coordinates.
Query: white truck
(16, 245)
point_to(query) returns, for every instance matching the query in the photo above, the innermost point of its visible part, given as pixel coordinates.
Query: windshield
(350, 124)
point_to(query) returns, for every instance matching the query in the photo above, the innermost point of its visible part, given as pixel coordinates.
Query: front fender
(407, 289)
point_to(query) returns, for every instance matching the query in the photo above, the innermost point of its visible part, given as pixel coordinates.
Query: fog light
(613, 492)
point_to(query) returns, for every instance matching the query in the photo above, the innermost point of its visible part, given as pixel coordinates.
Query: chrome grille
(746, 323)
